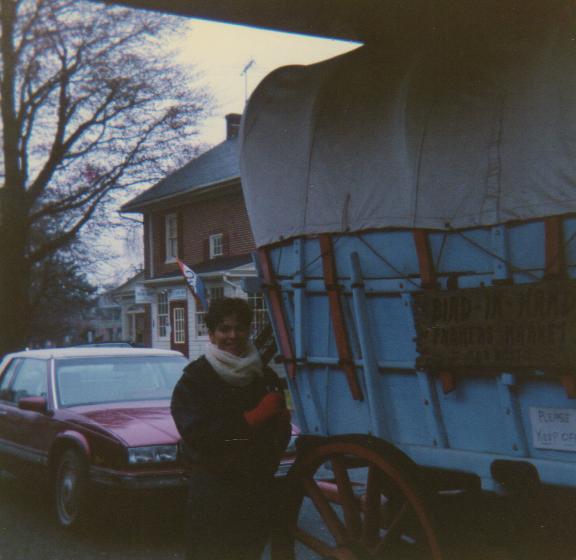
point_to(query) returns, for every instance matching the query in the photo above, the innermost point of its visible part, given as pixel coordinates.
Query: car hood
(134, 425)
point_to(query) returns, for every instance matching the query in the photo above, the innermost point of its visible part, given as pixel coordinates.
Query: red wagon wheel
(354, 498)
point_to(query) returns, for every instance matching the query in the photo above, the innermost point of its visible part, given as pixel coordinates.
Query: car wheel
(71, 489)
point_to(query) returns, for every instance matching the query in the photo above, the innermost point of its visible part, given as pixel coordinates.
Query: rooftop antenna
(245, 73)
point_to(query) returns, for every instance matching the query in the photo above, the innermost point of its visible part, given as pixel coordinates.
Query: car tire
(71, 489)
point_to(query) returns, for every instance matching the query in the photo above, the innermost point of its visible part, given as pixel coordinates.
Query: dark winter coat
(208, 413)
(232, 494)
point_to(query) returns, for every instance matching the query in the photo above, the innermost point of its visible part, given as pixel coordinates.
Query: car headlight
(152, 454)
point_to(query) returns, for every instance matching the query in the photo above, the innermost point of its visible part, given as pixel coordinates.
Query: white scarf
(239, 371)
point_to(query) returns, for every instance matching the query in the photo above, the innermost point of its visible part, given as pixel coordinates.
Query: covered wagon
(413, 203)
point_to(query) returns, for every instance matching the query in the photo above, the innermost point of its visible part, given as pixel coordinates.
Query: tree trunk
(14, 270)
(14, 205)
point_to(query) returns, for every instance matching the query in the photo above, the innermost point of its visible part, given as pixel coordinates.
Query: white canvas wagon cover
(453, 130)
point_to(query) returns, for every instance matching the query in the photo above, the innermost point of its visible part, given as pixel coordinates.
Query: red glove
(270, 405)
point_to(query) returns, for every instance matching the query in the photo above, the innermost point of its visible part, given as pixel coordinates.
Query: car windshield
(113, 379)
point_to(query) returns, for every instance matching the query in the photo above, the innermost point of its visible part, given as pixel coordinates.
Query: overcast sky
(221, 51)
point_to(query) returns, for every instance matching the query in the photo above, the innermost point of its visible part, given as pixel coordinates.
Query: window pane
(179, 325)
(171, 224)
(162, 301)
(201, 328)
(112, 379)
(5, 393)
(31, 380)
(216, 245)
(216, 293)
(260, 319)
(172, 247)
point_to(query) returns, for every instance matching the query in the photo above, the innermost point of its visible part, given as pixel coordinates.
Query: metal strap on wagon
(346, 361)
(274, 296)
(430, 282)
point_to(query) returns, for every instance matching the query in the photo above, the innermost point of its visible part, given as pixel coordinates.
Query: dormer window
(216, 245)
(171, 230)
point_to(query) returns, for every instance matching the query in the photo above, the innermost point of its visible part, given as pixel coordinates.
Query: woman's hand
(270, 405)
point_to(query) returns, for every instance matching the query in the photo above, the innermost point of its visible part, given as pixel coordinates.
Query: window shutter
(180, 233)
(206, 249)
(161, 220)
(225, 244)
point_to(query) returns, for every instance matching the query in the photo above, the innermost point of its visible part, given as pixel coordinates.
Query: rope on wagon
(388, 263)
(407, 278)
(321, 255)
(498, 257)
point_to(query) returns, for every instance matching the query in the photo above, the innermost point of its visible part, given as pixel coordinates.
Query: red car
(85, 417)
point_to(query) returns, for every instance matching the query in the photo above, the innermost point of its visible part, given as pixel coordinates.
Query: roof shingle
(215, 166)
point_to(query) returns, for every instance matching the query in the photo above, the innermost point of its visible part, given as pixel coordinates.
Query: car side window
(6, 379)
(30, 381)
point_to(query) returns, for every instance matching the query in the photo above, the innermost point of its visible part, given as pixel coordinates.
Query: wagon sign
(503, 328)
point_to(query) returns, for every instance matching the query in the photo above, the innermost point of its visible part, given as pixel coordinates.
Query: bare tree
(91, 105)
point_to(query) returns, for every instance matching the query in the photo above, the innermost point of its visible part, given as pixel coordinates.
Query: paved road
(27, 531)
(478, 529)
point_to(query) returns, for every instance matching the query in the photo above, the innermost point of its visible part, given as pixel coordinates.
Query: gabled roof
(216, 166)
(129, 284)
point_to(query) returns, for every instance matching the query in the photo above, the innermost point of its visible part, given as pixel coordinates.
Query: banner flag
(195, 284)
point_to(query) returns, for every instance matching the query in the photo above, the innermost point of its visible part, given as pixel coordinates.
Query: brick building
(196, 214)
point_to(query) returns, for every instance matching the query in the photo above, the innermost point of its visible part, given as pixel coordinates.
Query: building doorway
(179, 326)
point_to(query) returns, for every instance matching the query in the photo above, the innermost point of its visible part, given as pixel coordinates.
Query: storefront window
(162, 302)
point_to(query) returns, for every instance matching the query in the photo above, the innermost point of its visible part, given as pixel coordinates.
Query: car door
(25, 432)
(6, 378)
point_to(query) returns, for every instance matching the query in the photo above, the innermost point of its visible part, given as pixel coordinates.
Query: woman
(231, 414)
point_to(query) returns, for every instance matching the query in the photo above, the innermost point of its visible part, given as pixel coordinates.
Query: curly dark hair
(221, 308)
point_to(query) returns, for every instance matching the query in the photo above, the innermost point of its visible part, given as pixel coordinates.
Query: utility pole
(245, 74)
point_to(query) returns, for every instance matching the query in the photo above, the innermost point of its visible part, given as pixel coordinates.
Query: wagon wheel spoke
(391, 504)
(389, 520)
(394, 528)
(371, 527)
(348, 500)
(321, 503)
(313, 543)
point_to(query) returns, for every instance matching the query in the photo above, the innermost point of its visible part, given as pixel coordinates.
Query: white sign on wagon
(553, 428)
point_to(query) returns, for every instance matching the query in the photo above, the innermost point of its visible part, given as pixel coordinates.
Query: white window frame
(201, 327)
(214, 292)
(216, 245)
(179, 322)
(260, 318)
(162, 315)
(171, 235)
(217, 292)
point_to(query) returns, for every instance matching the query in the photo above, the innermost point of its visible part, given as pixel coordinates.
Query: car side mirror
(34, 404)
